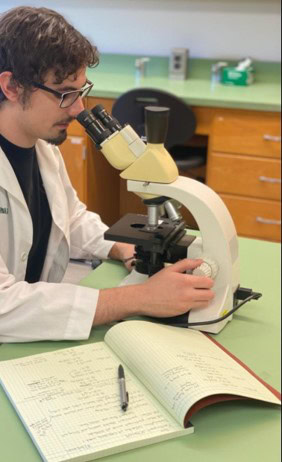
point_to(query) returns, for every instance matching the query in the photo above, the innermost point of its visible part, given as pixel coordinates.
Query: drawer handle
(267, 137)
(266, 179)
(268, 221)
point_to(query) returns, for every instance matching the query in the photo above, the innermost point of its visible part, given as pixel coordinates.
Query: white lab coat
(46, 310)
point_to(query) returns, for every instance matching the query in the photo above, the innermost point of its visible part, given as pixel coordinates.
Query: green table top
(116, 75)
(232, 431)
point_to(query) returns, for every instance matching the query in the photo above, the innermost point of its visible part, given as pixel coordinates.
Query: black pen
(123, 393)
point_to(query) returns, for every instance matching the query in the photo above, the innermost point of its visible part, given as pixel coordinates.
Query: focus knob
(207, 269)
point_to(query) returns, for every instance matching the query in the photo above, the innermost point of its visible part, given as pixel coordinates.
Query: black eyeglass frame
(83, 92)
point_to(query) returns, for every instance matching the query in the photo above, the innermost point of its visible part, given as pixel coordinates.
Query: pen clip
(124, 405)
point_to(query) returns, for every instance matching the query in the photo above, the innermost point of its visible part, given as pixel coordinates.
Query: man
(43, 62)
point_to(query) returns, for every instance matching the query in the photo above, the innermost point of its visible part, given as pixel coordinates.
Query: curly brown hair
(34, 41)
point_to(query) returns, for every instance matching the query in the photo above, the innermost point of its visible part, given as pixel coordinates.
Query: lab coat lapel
(9, 181)
(57, 255)
(49, 169)
(16, 220)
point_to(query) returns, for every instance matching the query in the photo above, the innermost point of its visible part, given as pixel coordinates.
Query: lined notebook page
(69, 402)
(181, 366)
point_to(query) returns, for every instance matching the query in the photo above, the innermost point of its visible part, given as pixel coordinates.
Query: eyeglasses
(68, 97)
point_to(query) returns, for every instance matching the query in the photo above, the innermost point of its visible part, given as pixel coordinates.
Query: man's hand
(170, 292)
(174, 292)
(123, 252)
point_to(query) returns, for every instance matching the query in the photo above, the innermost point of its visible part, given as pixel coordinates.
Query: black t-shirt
(25, 165)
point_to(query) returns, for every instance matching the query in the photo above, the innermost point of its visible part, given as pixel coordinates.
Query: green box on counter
(233, 76)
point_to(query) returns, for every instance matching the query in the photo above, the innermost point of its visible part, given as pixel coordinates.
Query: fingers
(199, 304)
(129, 264)
(203, 295)
(177, 292)
(183, 265)
(199, 282)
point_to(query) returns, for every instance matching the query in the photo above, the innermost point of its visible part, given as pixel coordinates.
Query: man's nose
(76, 108)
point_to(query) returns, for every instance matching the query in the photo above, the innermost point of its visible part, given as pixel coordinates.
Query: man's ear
(10, 89)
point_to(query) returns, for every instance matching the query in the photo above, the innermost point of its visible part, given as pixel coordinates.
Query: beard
(62, 136)
(58, 139)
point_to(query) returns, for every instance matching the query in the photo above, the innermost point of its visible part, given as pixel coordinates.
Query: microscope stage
(133, 229)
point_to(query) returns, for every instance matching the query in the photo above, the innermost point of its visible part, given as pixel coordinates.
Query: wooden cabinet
(244, 163)
(74, 153)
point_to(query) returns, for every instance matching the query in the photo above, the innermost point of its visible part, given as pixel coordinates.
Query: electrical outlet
(178, 63)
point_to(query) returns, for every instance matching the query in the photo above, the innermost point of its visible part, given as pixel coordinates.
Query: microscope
(161, 236)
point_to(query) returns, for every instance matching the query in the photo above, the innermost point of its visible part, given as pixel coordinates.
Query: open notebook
(69, 399)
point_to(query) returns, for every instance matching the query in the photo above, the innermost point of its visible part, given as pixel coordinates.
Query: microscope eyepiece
(94, 127)
(85, 118)
(108, 121)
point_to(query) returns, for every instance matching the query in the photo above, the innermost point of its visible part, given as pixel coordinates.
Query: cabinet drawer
(247, 132)
(255, 218)
(245, 175)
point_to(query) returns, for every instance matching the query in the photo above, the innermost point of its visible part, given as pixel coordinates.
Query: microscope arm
(218, 242)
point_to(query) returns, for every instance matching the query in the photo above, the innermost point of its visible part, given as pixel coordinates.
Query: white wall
(209, 28)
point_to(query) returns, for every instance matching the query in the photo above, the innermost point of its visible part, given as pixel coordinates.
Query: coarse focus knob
(208, 268)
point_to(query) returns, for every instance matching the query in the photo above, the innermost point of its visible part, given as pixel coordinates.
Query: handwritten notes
(69, 402)
(183, 367)
(69, 399)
